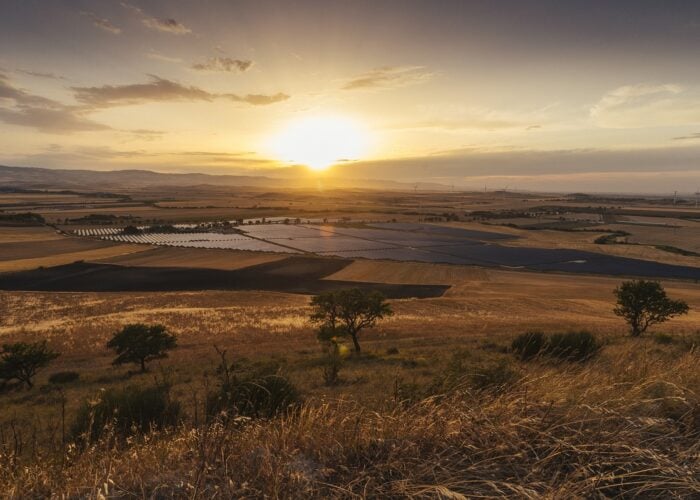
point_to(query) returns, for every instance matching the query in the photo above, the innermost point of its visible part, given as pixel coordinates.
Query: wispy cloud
(165, 25)
(691, 137)
(101, 22)
(157, 56)
(24, 109)
(389, 77)
(41, 74)
(224, 64)
(644, 105)
(160, 89)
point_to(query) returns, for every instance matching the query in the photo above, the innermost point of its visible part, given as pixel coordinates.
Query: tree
(138, 343)
(347, 312)
(131, 230)
(645, 303)
(21, 361)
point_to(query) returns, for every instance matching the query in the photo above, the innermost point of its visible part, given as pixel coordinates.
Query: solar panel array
(401, 242)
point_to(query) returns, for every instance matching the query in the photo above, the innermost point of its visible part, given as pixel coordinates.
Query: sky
(554, 95)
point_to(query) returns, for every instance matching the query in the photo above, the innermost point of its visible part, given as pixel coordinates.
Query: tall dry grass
(625, 425)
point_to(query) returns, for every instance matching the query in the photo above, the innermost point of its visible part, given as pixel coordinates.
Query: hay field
(24, 248)
(209, 258)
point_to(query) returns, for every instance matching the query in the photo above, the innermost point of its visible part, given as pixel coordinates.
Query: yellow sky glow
(320, 141)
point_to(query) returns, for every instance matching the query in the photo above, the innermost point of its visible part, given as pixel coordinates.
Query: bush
(494, 378)
(258, 396)
(528, 345)
(262, 397)
(663, 338)
(64, 377)
(392, 351)
(332, 363)
(572, 346)
(127, 411)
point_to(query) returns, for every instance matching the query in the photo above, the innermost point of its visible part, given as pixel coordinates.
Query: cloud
(39, 74)
(604, 170)
(18, 107)
(459, 118)
(259, 99)
(644, 105)
(157, 56)
(102, 23)
(60, 120)
(226, 64)
(389, 77)
(165, 25)
(691, 137)
(160, 89)
(143, 134)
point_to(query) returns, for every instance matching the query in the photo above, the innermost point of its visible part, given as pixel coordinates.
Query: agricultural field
(462, 287)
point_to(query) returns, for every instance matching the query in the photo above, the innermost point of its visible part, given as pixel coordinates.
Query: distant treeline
(24, 219)
(99, 194)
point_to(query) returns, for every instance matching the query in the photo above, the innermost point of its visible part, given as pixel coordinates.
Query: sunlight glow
(319, 142)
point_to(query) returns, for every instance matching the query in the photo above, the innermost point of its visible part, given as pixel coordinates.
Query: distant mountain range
(48, 178)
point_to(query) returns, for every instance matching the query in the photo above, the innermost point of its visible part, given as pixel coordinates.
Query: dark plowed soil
(293, 275)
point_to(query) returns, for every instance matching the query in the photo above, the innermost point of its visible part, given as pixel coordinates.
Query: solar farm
(413, 242)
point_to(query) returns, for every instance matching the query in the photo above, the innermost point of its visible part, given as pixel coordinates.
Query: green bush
(529, 344)
(126, 411)
(572, 346)
(261, 397)
(64, 377)
(494, 378)
(663, 338)
(332, 363)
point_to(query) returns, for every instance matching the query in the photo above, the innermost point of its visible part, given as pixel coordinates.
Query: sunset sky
(547, 95)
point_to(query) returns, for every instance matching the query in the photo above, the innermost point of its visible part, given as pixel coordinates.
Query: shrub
(528, 345)
(572, 346)
(495, 377)
(332, 363)
(126, 411)
(663, 338)
(64, 377)
(392, 351)
(259, 396)
(262, 397)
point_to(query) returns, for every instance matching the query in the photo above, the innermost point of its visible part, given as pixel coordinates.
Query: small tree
(139, 343)
(21, 361)
(131, 230)
(347, 312)
(645, 303)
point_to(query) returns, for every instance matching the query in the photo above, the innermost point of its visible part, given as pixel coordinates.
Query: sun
(320, 142)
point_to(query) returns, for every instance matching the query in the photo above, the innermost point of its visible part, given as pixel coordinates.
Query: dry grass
(621, 427)
(58, 259)
(195, 257)
(28, 234)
